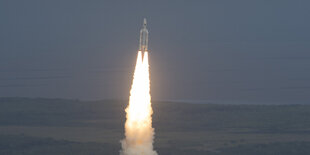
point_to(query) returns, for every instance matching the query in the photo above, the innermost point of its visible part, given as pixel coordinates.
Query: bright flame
(138, 127)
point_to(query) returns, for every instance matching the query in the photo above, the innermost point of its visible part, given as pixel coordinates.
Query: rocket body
(144, 34)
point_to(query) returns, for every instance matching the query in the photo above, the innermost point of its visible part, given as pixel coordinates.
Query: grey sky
(257, 51)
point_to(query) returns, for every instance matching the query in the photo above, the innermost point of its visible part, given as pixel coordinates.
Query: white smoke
(138, 127)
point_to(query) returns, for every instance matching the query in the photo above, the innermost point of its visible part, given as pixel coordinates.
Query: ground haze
(58, 126)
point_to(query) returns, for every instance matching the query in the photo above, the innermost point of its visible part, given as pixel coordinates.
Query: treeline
(167, 115)
(25, 145)
(288, 148)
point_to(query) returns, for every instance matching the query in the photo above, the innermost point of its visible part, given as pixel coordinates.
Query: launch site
(154, 77)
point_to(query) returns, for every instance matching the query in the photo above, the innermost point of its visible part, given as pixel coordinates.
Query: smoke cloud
(139, 132)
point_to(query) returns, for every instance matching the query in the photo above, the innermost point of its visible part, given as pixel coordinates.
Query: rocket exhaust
(139, 133)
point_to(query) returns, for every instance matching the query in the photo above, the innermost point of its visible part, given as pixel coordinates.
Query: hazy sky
(256, 51)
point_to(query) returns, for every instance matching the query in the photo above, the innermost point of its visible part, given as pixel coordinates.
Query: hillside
(35, 126)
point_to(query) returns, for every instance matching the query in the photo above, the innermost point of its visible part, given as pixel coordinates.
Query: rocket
(144, 34)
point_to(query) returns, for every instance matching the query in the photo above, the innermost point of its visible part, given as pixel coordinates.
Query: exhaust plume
(138, 126)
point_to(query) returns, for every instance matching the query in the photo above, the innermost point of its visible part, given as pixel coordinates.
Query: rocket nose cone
(144, 21)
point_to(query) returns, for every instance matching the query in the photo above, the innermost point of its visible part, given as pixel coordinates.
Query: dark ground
(57, 126)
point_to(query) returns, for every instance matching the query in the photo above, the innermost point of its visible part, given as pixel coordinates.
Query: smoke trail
(138, 127)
